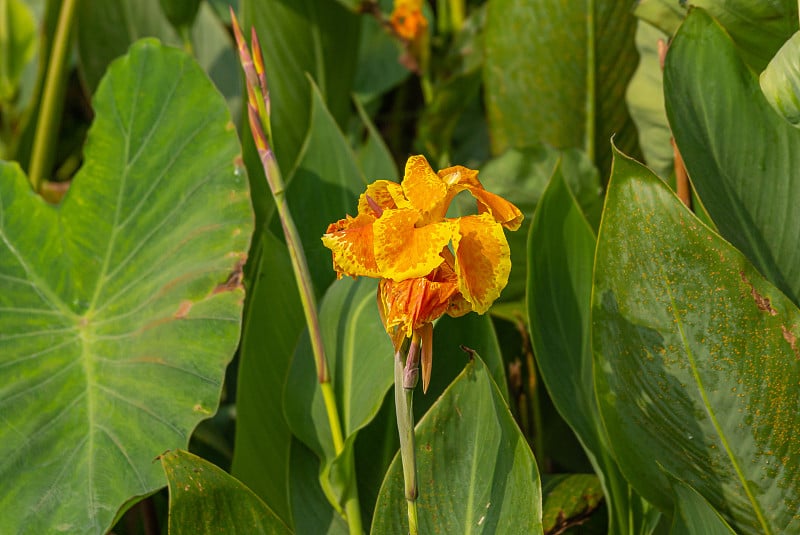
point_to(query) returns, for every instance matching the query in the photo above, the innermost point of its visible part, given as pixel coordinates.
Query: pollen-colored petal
(386, 194)
(459, 178)
(483, 260)
(352, 243)
(422, 186)
(403, 251)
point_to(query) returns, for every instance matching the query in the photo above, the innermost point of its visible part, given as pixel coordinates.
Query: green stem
(456, 15)
(403, 399)
(308, 300)
(48, 121)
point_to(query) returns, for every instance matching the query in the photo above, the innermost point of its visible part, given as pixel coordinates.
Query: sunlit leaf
(120, 308)
(476, 471)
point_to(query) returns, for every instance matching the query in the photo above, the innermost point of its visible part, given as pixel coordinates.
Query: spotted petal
(422, 186)
(403, 251)
(483, 259)
(352, 242)
(459, 178)
(412, 303)
(385, 194)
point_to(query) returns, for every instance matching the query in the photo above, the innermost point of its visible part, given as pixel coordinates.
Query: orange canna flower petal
(386, 194)
(352, 242)
(459, 178)
(412, 303)
(483, 260)
(404, 251)
(422, 187)
(407, 19)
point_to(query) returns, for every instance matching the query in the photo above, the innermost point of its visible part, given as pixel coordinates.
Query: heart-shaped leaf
(476, 473)
(119, 309)
(697, 363)
(204, 499)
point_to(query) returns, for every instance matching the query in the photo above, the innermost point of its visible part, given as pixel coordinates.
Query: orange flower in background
(407, 19)
(401, 235)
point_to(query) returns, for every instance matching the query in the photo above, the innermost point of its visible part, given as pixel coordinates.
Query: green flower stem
(403, 399)
(49, 118)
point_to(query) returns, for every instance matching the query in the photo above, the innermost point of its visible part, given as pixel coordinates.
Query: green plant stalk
(259, 118)
(405, 379)
(48, 121)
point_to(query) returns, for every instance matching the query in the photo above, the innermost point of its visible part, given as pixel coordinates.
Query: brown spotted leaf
(696, 363)
(120, 308)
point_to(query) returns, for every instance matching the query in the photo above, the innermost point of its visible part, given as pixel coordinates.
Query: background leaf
(696, 360)
(273, 323)
(205, 499)
(476, 471)
(693, 514)
(572, 99)
(17, 46)
(108, 300)
(569, 501)
(745, 165)
(780, 81)
(360, 360)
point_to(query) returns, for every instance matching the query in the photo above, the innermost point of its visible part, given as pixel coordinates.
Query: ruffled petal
(410, 304)
(483, 260)
(422, 186)
(352, 242)
(403, 251)
(387, 195)
(459, 178)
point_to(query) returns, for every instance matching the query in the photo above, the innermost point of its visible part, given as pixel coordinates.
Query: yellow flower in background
(429, 264)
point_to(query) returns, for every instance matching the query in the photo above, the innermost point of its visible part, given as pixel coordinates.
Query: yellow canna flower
(401, 235)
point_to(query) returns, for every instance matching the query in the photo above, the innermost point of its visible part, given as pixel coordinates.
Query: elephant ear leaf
(119, 309)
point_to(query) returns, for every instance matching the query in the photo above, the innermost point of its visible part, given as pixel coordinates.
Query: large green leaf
(560, 259)
(758, 28)
(300, 38)
(476, 471)
(569, 500)
(360, 360)
(556, 72)
(273, 323)
(121, 308)
(693, 515)
(203, 499)
(696, 360)
(745, 165)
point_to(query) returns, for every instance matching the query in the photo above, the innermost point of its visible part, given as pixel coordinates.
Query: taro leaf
(273, 323)
(693, 515)
(556, 72)
(360, 360)
(697, 364)
(560, 258)
(476, 471)
(300, 38)
(203, 499)
(121, 308)
(745, 165)
(569, 500)
(780, 81)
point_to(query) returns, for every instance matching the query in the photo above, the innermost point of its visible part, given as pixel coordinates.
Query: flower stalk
(258, 108)
(406, 375)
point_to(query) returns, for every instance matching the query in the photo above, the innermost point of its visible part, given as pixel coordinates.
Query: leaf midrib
(709, 410)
